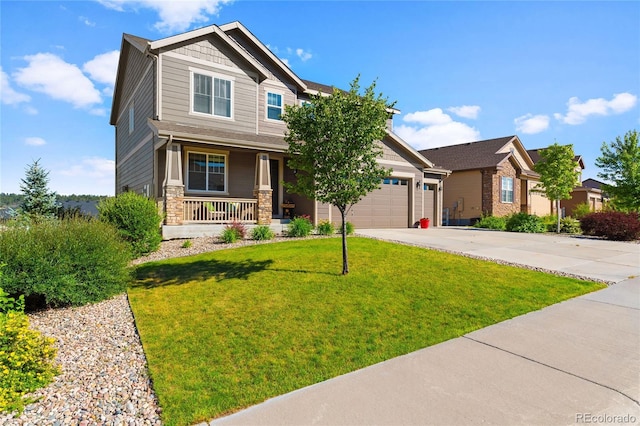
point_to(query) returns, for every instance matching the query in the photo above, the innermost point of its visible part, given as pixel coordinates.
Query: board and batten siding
(134, 152)
(176, 94)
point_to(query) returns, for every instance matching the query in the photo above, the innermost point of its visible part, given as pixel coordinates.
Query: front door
(274, 166)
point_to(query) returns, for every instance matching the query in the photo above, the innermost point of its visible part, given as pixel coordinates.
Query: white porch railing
(219, 210)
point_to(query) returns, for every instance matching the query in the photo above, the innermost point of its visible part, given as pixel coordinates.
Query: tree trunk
(345, 257)
(558, 211)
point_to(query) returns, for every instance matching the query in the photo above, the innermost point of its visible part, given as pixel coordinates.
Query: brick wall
(491, 191)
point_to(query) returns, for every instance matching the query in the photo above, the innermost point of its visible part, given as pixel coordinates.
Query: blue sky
(459, 71)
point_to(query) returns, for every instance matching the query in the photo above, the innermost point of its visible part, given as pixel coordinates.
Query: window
(206, 172)
(506, 194)
(211, 95)
(274, 106)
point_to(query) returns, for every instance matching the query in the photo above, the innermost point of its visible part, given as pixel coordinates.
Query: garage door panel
(385, 207)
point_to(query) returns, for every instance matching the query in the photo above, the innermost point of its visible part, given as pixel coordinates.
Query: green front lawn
(231, 328)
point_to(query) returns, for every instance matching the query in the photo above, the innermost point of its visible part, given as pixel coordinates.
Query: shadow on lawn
(150, 275)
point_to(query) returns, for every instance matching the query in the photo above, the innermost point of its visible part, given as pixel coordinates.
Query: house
(198, 129)
(489, 177)
(589, 192)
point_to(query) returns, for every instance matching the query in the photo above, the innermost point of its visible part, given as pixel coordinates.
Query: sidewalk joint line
(611, 304)
(552, 367)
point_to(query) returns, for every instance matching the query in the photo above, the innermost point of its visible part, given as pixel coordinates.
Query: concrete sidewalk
(574, 362)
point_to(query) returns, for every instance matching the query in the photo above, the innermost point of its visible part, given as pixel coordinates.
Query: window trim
(504, 198)
(213, 75)
(224, 154)
(266, 107)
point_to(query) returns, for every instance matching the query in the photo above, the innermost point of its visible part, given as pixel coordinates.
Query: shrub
(349, 227)
(26, 356)
(69, 262)
(612, 225)
(492, 222)
(581, 210)
(262, 233)
(550, 222)
(325, 227)
(569, 225)
(137, 219)
(186, 244)
(523, 222)
(233, 232)
(300, 227)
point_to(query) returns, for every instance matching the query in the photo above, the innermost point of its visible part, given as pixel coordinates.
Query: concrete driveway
(576, 362)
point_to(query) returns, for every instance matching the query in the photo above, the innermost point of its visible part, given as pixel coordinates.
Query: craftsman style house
(198, 128)
(490, 177)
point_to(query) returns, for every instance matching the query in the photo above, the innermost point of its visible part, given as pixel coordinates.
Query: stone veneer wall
(264, 205)
(173, 204)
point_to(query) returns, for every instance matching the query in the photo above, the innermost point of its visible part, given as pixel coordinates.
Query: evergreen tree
(38, 201)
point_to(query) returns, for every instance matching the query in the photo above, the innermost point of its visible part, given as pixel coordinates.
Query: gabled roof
(236, 25)
(535, 156)
(410, 150)
(592, 183)
(472, 155)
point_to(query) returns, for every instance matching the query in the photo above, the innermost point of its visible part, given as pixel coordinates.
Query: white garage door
(385, 207)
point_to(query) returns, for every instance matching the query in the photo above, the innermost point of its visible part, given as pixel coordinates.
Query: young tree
(559, 172)
(333, 142)
(620, 162)
(38, 202)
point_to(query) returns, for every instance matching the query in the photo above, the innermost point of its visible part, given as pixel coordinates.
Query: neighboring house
(198, 128)
(490, 177)
(590, 192)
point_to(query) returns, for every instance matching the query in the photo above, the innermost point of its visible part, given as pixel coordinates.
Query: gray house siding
(134, 153)
(176, 94)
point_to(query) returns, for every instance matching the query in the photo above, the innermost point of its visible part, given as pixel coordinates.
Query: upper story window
(212, 95)
(506, 193)
(274, 106)
(206, 172)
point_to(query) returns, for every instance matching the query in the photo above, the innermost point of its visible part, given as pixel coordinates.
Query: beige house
(198, 128)
(489, 177)
(589, 192)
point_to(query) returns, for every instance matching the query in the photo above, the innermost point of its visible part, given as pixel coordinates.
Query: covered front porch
(205, 187)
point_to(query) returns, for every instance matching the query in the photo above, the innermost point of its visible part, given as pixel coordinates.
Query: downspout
(156, 83)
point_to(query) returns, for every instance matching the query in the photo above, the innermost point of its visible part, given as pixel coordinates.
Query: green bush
(233, 232)
(300, 227)
(569, 225)
(523, 222)
(325, 227)
(492, 222)
(262, 233)
(550, 222)
(349, 227)
(26, 356)
(68, 262)
(581, 210)
(186, 244)
(136, 218)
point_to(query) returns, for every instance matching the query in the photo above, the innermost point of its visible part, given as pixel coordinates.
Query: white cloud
(8, 94)
(434, 128)
(49, 74)
(175, 16)
(286, 62)
(465, 111)
(103, 67)
(86, 21)
(94, 175)
(531, 124)
(304, 56)
(577, 111)
(35, 141)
